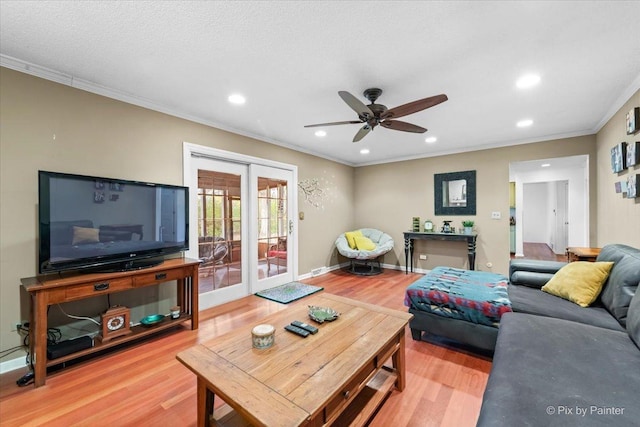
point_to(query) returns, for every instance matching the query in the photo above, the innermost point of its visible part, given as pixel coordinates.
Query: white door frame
(191, 151)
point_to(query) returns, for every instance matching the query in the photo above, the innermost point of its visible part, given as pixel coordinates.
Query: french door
(221, 229)
(244, 219)
(271, 243)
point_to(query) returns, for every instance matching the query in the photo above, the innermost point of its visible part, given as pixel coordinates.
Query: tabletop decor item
(322, 314)
(152, 319)
(175, 312)
(428, 226)
(468, 226)
(263, 336)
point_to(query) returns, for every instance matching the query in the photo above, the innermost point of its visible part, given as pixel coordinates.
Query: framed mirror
(455, 193)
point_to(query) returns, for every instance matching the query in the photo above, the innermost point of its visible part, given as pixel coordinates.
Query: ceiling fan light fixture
(320, 133)
(527, 81)
(237, 99)
(430, 139)
(524, 123)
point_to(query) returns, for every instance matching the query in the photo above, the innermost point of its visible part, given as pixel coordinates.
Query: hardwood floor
(540, 251)
(143, 384)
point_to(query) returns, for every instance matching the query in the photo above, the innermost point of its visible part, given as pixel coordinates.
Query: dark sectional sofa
(558, 364)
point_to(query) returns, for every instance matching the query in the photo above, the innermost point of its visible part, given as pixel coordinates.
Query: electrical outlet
(423, 256)
(496, 215)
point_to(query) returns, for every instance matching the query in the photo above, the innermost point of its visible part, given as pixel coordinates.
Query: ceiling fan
(374, 114)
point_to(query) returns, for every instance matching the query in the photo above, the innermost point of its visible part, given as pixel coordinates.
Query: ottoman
(460, 305)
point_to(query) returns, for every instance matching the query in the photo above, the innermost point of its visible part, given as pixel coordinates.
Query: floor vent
(317, 271)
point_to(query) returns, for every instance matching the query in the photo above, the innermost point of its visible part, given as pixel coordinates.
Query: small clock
(428, 226)
(115, 323)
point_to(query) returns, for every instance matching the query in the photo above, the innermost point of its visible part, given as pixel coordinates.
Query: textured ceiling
(290, 59)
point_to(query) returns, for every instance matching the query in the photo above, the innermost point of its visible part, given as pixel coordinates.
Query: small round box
(263, 336)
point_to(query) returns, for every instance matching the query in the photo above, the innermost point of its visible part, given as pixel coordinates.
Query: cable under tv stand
(47, 290)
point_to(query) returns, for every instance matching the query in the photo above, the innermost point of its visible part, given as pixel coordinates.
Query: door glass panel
(272, 227)
(219, 230)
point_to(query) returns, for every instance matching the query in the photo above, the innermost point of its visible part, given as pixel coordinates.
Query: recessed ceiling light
(431, 139)
(364, 151)
(524, 123)
(527, 81)
(237, 99)
(545, 165)
(320, 133)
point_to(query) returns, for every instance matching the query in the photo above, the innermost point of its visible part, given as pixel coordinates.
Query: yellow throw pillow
(85, 235)
(579, 282)
(364, 243)
(351, 235)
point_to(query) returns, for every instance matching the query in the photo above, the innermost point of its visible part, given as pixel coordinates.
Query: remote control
(297, 331)
(305, 326)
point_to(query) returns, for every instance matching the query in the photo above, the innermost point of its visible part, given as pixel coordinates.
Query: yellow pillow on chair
(351, 237)
(364, 243)
(579, 282)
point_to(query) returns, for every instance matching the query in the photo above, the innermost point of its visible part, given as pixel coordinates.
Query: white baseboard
(324, 270)
(13, 364)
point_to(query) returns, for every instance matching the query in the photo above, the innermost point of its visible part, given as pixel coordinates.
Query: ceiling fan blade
(403, 126)
(350, 122)
(413, 107)
(362, 133)
(356, 105)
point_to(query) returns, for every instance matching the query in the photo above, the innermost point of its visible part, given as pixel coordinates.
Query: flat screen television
(107, 224)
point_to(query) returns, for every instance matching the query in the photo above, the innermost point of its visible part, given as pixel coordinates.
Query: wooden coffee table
(337, 376)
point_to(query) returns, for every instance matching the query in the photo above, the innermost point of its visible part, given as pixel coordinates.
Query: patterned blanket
(474, 296)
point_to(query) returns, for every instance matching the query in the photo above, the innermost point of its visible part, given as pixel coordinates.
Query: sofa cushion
(542, 367)
(533, 301)
(633, 319)
(533, 273)
(579, 282)
(623, 279)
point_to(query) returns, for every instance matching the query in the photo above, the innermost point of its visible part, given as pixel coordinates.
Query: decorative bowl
(322, 314)
(152, 319)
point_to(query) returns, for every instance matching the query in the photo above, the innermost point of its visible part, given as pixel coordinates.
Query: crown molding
(87, 86)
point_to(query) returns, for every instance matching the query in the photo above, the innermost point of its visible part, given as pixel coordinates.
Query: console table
(410, 236)
(59, 288)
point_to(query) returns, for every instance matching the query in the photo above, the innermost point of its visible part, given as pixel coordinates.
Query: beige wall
(389, 195)
(618, 218)
(99, 136)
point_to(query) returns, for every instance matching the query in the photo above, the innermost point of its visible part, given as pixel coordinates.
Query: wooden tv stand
(60, 288)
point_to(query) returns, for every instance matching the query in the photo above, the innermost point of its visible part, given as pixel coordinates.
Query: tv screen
(108, 224)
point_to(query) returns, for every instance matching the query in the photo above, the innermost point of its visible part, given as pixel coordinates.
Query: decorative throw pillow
(364, 243)
(351, 235)
(85, 235)
(579, 282)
